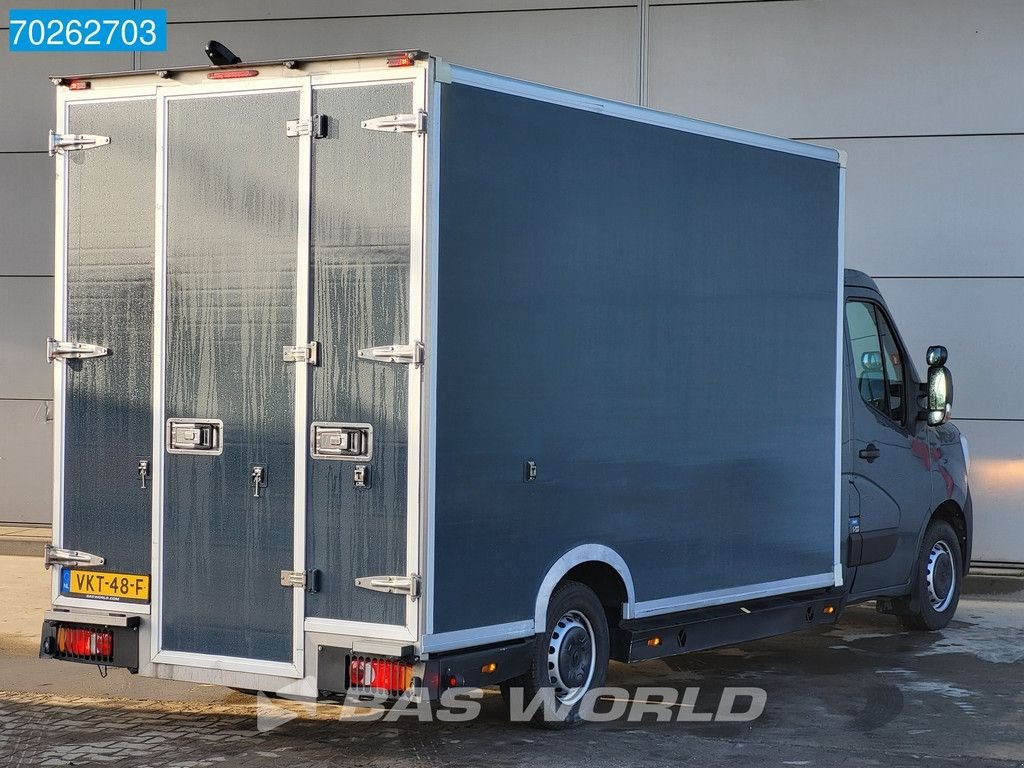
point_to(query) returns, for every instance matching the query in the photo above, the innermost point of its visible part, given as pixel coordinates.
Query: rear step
(698, 630)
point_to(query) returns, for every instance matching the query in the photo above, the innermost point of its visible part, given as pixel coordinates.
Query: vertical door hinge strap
(65, 142)
(413, 123)
(315, 126)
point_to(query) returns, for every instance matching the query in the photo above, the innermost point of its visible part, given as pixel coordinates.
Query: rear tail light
(84, 643)
(382, 676)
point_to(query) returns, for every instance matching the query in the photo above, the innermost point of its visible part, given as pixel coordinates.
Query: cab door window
(877, 361)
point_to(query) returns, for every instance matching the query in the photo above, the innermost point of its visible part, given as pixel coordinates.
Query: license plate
(130, 587)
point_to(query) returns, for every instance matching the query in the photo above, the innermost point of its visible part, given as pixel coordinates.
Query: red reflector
(402, 60)
(79, 85)
(232, 74)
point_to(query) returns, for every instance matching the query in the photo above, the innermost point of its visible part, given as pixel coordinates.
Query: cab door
(888, 484)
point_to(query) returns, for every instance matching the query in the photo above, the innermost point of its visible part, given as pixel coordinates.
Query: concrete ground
(860, 693)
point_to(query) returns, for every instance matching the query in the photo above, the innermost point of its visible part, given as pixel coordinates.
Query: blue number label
(87, 30)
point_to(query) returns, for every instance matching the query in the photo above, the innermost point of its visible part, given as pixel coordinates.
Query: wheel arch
(597, 566)
(951, 512)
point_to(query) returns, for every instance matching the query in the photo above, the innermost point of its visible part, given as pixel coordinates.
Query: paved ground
(862, 693)
(24, 539)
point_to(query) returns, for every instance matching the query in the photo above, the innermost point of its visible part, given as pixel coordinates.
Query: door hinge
(405, 354)
(303, 353)
(315, 126)
(65, 142)
(56, 556)
(414, 123)
(74, 349)
(395, 585)
(307, 580)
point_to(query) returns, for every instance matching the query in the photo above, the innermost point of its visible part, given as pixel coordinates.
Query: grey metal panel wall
(611, 301)
(544, 46)
(28, 97)
(28, 307)
(26, 215)
(234, 10)
(26, 461)
(842, 67)
(997, 487)
(935, 206)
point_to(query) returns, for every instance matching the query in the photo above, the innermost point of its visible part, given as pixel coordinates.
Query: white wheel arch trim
(585, 553)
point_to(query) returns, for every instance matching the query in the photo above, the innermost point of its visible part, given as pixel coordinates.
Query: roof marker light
(232, 74)
(79, 85)
(401, 60)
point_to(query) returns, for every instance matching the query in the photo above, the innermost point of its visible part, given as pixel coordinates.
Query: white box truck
(379, 374)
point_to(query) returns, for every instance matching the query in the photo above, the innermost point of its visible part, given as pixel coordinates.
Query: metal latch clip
(303, 353)
(307, 580)
(315, 126)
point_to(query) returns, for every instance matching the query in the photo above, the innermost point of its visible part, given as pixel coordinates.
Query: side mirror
(940, 387)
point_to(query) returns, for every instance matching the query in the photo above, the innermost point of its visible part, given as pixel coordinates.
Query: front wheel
(570, 658)
(938, 578)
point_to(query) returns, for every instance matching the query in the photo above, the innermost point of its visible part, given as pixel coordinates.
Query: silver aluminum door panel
(232, 214)
(361, 248)
(108, 282)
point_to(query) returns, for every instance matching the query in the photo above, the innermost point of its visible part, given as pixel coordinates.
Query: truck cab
(904, 470)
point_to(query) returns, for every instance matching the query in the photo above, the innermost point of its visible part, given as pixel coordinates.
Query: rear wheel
(938, 578)
(569, 660)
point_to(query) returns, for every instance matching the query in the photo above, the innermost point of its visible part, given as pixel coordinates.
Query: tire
(938, 578)
(571, 658)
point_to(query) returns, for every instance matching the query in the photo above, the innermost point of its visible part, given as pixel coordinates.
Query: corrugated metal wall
(925, 95)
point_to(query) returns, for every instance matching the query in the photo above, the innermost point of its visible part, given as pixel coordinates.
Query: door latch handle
(143, 472)
(870, 453)
(258, 478)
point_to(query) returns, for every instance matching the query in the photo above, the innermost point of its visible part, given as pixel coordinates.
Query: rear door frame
(65, 98)
(294, 669)
(419, 76)
(417, 554)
